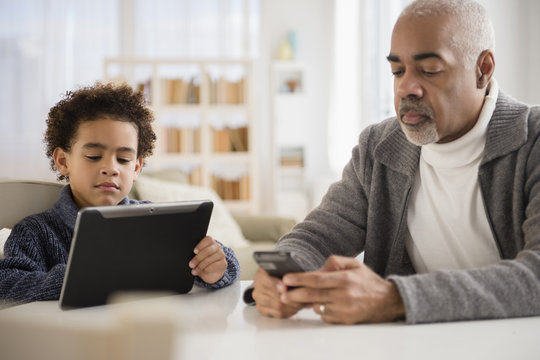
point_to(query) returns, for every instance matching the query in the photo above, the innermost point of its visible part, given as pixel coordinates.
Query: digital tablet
(144, 247)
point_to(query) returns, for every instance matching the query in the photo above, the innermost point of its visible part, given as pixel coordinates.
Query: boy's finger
(208, 251)
(209, 260)
(204, 243)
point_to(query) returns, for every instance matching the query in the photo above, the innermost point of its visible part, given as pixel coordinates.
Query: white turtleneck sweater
(446, 218)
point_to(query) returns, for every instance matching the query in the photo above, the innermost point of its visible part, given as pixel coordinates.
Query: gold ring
(322, 308)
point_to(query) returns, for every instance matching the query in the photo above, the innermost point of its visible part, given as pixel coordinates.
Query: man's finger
(304, 295)
(264, 280)
(317, 279)
(324, 279)
(336, 263)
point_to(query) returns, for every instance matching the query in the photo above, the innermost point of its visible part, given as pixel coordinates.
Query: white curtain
(362, 86)
(46, 48)
(195, 28)
(50, 46)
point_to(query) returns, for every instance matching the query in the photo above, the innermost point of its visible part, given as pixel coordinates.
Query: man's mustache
(416, 106)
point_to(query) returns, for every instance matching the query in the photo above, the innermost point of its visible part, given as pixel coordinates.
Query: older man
(444, 199)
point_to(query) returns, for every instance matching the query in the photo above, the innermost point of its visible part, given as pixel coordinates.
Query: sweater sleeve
(25, 275)
(507, 289)
(231, 274)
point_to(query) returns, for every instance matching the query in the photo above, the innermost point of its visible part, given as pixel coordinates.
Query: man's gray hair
(474, 29)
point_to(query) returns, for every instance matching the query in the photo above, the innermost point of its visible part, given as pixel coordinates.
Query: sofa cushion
(173, 175)
(222, 226)
(4, 234)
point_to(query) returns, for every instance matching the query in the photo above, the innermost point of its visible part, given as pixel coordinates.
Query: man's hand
(209, 262)
(349, 290)
(267, 292)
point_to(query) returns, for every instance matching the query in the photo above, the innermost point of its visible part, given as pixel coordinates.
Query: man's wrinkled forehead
(421, 37)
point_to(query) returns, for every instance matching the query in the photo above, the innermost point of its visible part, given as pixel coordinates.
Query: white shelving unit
(289, 103)
(204, 120)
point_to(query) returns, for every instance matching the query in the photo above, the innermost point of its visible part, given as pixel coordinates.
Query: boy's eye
(123, 161)
(93, 157)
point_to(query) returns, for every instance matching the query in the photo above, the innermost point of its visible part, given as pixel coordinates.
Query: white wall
(517, 46)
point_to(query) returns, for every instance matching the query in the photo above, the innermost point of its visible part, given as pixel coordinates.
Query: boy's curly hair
(90, 103)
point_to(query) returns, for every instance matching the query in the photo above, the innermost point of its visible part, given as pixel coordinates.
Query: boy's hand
(209, 263)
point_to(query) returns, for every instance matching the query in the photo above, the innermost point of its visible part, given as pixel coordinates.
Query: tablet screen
(144, 247)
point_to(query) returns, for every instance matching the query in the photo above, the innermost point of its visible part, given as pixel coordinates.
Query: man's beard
(423, 133)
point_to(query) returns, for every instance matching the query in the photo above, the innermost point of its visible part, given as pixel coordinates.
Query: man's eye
(397, 73)
(430, 73)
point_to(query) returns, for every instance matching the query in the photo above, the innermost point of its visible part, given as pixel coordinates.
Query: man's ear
(485, 66)
(60, 160)
(138, 167)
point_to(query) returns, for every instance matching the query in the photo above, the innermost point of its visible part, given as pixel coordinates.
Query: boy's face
(102, 164)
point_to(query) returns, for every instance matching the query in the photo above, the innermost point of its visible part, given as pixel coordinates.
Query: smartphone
(279, 263)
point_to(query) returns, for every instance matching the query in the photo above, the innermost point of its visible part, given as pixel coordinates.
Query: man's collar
(507, 129)
(507, 132)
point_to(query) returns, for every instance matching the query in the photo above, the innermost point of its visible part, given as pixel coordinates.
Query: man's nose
(408, 86)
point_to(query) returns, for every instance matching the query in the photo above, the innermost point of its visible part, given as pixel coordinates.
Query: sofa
(243, 233)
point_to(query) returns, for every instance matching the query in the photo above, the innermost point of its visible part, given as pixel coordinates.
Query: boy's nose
(110, 168)
(109, 171)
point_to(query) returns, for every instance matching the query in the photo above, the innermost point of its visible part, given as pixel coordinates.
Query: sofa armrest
(262, 228)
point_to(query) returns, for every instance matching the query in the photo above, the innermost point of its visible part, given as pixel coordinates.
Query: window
(49, 47)
(362, 90)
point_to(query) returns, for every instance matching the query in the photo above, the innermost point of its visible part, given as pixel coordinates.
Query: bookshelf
(289, 104)
(204, 120)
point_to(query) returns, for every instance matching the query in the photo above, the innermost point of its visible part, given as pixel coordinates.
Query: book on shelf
(227, 92)
(183, 140)
(244, 188)
(179, 91)
(231, 140)
(291, 156)
(232, 189)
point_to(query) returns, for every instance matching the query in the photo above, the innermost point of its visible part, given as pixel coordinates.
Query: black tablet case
(143, 247)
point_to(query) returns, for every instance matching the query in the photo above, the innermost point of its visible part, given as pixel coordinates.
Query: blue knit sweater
(37, 251)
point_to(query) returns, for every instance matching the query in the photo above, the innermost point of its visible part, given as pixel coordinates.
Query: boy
(97, 138)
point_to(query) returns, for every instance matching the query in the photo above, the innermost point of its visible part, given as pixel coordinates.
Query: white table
(217, 325)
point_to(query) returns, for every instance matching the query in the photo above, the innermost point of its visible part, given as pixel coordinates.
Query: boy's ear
(138, 167)
(60, 160)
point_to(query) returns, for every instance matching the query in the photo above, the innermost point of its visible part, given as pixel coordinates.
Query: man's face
(102, 163)
(436, 98)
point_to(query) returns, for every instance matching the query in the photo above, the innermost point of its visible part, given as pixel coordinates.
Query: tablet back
(143, 247)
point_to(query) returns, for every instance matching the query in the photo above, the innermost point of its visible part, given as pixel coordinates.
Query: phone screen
(279, 263)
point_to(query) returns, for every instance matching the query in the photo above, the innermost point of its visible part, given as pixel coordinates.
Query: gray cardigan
(367, 211)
